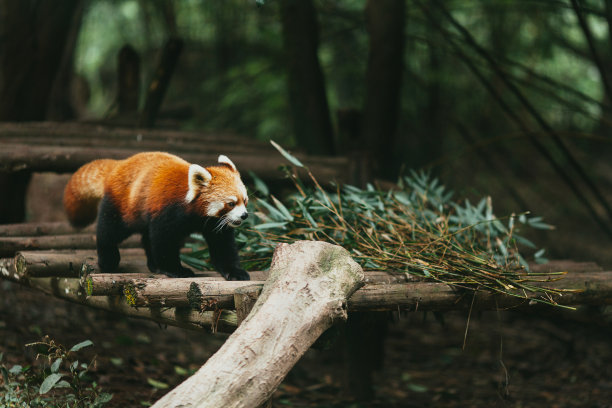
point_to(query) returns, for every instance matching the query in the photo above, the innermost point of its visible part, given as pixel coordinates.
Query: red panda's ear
(198, 177)
(223, 159)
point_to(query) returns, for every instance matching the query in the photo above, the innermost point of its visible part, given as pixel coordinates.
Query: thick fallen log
(305, 294)
(576, 288)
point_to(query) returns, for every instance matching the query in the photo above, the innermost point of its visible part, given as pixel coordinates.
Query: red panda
(164, 198)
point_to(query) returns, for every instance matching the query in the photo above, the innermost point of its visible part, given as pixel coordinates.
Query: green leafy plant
(60, 382)
(416, 228)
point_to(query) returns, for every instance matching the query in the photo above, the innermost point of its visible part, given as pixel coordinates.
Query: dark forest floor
(510, 359)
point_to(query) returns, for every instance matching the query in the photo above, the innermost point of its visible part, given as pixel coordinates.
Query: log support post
(305, 294)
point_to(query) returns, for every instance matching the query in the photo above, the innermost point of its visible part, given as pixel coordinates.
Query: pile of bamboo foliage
(416, 228)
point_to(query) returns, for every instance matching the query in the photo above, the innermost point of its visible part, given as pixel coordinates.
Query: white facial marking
(235, 215)
(233, 199)
(198, 177)
(214, 208)
(223, 159)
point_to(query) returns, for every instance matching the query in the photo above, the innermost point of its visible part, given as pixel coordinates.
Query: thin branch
(591, 42)
(542, 123)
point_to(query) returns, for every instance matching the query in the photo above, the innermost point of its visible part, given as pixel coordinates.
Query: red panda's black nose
(244, 216)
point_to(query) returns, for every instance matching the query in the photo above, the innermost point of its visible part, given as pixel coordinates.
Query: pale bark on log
(101, 284)
(305, 294)
(197, 293)
(244, 300)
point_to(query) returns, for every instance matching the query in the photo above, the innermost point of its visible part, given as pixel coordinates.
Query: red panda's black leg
(109, 233)
(166, 239)
(224, 253)
(146, 244)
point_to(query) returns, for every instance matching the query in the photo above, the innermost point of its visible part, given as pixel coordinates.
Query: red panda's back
(145, 183)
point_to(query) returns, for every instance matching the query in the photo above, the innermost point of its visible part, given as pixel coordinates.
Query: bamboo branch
(586, 30)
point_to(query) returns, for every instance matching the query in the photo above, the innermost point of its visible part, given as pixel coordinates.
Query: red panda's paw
(237, 275)
(180, 273)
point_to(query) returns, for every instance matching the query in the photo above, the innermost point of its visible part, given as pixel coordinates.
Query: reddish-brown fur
(142, 185)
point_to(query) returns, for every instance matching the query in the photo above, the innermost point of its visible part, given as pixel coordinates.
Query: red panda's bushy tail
(85, 190)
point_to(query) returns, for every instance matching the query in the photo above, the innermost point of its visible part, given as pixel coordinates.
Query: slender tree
(310, 111)
(385, 23)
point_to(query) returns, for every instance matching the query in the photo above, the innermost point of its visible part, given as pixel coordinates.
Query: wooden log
(67, 159)
(197, 293)
(577, 288)
(306, 293)
(70, 289)
(80, 131)
(74, 264)
(36, 229)
(11, 245)
(100, 284)
(244, 300)
(177, 146)
(378, 295)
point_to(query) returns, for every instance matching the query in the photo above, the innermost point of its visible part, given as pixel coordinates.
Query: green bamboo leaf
(286, 213)
(272, 211)
(259, 184)
(270, 225)
(157, 384)
(286, 154)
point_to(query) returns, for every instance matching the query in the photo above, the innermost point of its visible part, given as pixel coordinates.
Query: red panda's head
(218, 191)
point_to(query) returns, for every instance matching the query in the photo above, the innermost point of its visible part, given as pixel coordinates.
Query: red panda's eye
(232, 204)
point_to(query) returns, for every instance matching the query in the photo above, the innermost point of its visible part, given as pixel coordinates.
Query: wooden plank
(37, 229)
(67, 159)
(9, 246)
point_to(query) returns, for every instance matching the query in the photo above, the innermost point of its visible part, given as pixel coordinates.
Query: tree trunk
(161, 80)
(385, 22)
(306, 292)
(33, 37)
(309, 108)
(128, 73)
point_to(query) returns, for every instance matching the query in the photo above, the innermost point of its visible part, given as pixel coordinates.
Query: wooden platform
(64, 147)
(54, 258)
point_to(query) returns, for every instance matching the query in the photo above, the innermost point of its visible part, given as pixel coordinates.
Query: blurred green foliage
(232, 69)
